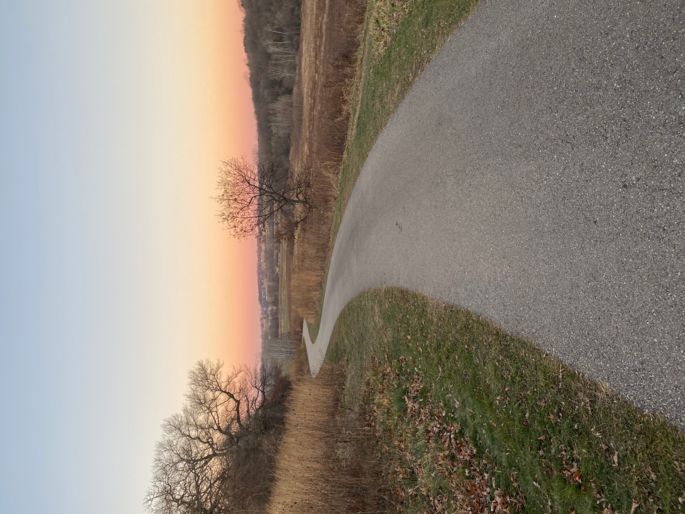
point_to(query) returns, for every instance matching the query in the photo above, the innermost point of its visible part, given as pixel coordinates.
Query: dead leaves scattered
(430, 461)
(573, 474)
(386, 18)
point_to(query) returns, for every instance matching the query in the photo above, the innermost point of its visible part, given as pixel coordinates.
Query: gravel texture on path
(534, 175)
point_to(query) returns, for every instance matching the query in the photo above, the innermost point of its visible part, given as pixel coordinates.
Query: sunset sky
(115, 275)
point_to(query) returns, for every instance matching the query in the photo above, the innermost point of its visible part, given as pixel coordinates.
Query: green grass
(529, 432)
(399, 38)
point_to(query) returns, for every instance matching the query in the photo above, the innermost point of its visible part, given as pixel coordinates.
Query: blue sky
(103, 246)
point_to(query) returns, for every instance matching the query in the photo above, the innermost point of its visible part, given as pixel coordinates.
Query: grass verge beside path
(399, 39)
(469, 417)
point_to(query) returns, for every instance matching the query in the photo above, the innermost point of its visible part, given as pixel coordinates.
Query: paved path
(534, 175)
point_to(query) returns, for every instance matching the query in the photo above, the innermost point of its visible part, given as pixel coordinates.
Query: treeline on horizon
(271, 39)
(272, 32)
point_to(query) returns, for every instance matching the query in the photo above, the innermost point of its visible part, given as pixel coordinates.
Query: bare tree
(187, 475)
(192, 461)
(250, 196)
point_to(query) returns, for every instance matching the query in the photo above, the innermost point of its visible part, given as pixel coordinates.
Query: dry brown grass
(328, 45)
(285, 257)
(324, 463)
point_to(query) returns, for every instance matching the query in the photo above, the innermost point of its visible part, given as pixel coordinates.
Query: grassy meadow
(468, 417)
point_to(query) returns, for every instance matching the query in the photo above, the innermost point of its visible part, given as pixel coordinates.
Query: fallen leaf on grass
(573, 474)
(614, 460)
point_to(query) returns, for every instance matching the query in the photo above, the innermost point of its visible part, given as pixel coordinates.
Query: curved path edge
(316, 354)
(534, 175)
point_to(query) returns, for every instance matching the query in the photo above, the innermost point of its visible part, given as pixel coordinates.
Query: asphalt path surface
(534, 175)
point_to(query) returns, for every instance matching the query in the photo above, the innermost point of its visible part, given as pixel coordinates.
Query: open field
(468, 417)
(323, 463)
(285, 257)
(328, 45)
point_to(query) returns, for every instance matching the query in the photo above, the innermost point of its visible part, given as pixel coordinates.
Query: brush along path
(533, 175)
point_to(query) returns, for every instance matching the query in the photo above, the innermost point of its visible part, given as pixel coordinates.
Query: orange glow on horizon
(221, 115)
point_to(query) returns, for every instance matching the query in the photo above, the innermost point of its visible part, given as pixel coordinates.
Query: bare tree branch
(249, 196)
(192, 461)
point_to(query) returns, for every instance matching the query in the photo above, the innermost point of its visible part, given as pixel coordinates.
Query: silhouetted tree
(251, 195)
(192, 461)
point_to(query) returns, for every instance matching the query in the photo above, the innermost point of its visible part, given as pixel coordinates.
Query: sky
(115, 274)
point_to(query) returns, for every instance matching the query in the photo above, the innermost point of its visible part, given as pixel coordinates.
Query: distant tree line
(272, 31)
(271, 39)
